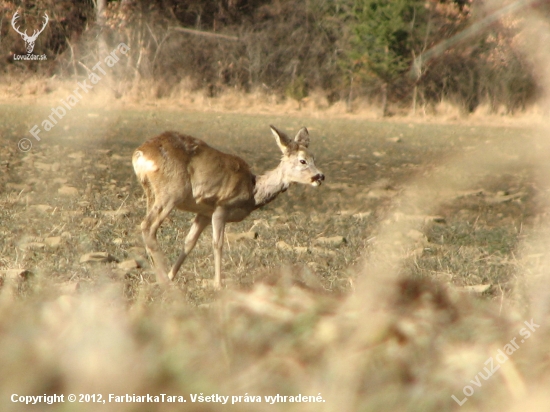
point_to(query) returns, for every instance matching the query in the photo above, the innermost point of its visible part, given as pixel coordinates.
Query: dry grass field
(436, 256)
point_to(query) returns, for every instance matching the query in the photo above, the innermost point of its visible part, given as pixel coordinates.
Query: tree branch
(205, 33)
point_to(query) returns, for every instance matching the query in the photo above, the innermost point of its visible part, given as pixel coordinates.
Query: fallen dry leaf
(97, 257)
(334, 241)
(234, 237)
(67, 191)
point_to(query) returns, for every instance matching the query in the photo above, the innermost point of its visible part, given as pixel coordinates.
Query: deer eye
(302, 161)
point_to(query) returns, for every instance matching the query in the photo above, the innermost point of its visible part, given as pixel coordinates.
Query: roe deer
(179, 171)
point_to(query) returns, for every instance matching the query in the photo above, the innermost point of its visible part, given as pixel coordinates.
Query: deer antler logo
(29, 40)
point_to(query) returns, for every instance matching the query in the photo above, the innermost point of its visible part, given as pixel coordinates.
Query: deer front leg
(218, 226)
(197, 228)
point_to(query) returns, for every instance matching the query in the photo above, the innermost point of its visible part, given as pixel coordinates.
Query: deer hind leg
(218, 226)
(149, 228)
(197, 228)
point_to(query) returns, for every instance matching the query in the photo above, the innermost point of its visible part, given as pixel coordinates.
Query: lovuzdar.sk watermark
(501, 357)
(29, 40)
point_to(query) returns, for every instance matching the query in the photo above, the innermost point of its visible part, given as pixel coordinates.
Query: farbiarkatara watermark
(57, 113)
(501, 357)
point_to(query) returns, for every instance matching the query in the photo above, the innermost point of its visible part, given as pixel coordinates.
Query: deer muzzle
(317, 179)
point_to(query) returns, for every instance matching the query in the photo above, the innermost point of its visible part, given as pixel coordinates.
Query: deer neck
(268, 186)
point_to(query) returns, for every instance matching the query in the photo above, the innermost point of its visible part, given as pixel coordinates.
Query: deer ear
(282, 140)
(302, 138)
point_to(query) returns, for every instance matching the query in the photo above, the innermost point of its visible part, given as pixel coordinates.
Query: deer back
(193, 172)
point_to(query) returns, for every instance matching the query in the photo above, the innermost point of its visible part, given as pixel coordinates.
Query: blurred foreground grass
(462, 258)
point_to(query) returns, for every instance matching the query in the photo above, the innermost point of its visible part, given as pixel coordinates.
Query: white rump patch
(142, 165)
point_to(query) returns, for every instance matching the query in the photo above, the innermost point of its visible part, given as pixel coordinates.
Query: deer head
(29, 40)
(297, 162)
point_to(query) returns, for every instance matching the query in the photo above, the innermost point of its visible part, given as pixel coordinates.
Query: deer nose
(319, 177)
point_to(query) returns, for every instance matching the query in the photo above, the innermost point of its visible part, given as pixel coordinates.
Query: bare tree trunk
(415, 92)
(100, 21)
(385, 99)
(349, 107)
(102, 51)
(385, 87)
(417, 62)
(73, 58)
